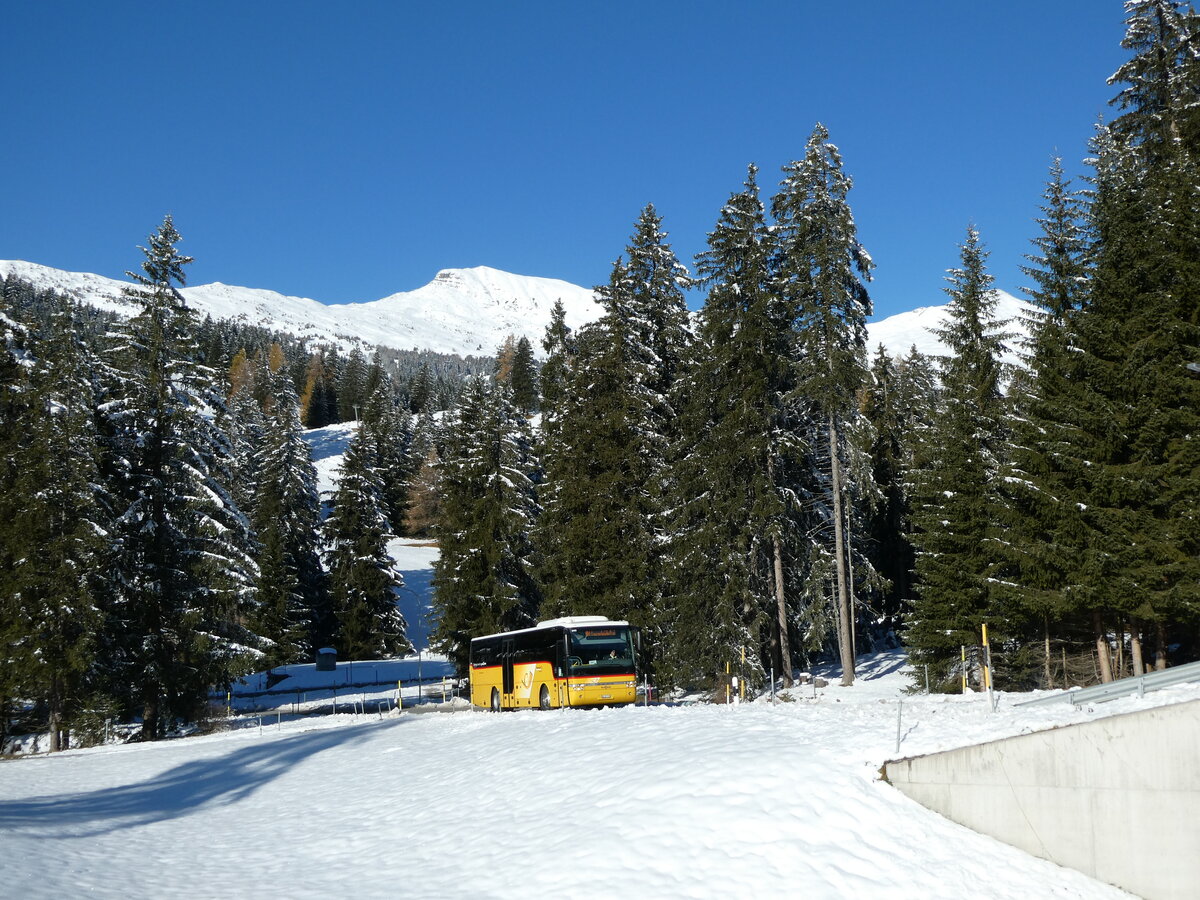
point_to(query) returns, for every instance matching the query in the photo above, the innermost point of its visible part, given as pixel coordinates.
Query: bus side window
(484, 653)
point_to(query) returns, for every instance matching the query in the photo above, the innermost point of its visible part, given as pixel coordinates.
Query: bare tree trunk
(1135, 649)
(1102, 654)
(781, 615)
(850, 585)
(843, 604)
(56, 704)
(785, 647)
(1160, 646)
(150, 720)
(1046, 632)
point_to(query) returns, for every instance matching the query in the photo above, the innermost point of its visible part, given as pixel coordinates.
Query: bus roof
(564, 622)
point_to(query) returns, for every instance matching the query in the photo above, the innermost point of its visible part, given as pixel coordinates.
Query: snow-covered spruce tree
(352, 387)
(732, 515)
(14, 413)
(293, 608)
(59, 526)
(900, 405)
(890, 552)
(957, 504)
(1138, 330)
(182, 579)
(608, 476)
(420, 392)
(821, 274)
(482, 579)
(246, 426)
(524, 377)
(389, 428)
(318, 402)
(559, 344)
(1043, 483)
(362, 576)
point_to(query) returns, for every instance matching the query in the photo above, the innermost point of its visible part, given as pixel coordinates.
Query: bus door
(506, 662)
(562, 668)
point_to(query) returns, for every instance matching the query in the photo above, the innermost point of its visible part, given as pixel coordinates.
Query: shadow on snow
(180, 791)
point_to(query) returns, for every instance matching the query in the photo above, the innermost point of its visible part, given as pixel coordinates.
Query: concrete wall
(1117, 798)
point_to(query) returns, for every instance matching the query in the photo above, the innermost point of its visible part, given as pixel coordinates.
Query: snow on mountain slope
(463, 311)
(901, 332)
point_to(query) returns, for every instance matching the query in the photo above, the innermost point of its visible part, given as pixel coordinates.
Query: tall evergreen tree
(61, 525)
(524, 377)
(352, 388)
(293, 601)
(822, 271)
(957, 504)
(890, 453)
(1043, 483)
(734, 520)
(559, 344)
(482, 580)
(607, 481)
(389, 428)
(14, 412)
(1137, 332)
(420, 392)
(362, 576)
(183, 578)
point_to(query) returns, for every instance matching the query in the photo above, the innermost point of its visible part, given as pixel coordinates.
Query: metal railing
(1138, 684)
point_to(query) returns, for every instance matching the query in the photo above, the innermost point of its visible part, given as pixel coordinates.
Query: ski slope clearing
(414, 558)
(751, 800)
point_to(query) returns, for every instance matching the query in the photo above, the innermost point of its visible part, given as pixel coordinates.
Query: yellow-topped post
(742, 680)
(987, 669)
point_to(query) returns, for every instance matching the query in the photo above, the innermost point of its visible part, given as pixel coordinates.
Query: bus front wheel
(544, 699)
(495, 700)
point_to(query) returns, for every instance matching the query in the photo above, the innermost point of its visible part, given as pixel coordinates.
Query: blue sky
(345, 154)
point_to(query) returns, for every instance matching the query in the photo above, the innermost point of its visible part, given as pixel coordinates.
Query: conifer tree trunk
(1046, 633)
(847, 652)
(1160, 646)
(1135, 649)
(785, 647)
(55, 716)
(1102, 655)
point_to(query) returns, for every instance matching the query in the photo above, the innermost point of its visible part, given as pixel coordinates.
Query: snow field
(751, 800)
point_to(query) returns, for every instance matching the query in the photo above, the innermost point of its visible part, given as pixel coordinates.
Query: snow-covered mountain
(463, 311)
(901, 332)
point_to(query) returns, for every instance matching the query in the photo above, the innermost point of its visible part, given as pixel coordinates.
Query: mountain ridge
(467, 312)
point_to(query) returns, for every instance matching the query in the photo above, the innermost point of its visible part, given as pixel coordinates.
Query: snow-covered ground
(751, 800)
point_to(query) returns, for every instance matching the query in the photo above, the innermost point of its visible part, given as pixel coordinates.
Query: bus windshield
(605, 648)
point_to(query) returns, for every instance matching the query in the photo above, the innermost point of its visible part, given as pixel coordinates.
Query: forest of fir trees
(750, 481)
(753, 479)
(162, 530)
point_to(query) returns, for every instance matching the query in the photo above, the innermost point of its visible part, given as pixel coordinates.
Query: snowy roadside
(702, 801)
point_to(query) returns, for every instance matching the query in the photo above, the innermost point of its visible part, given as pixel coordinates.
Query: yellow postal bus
(574, 661)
